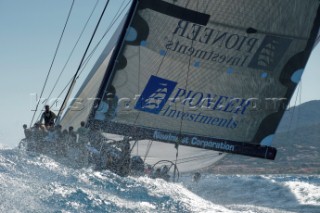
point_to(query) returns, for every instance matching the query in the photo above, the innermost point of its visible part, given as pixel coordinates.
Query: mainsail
(214, 75)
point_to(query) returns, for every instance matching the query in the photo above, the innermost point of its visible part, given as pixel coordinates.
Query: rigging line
(148, 150)
(109, 80)
(207, 7)
(115, 18)
(72, 51)
(300, 94)
(83, 57)
(86, 61)
(159, 67)
(183, 108)
(317, 41)
(54, 57)
(139, 76)
(133, 145)
(139, 68)
(294, 107)
(202, 156)
(187, 4)
(181, 161)
(157, 71)
(196, 158)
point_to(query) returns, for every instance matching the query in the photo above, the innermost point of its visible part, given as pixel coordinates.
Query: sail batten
(176, 11)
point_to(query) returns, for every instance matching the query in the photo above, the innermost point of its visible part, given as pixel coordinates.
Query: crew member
(48, 116)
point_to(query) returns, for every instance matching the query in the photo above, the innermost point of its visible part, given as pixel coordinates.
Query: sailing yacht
(197, 79)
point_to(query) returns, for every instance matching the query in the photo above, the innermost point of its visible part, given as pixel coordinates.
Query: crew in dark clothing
(25, 143)
(27, 132)
(48, 116)
(38, 134)
(157, 173)
(196, 177)
(82, 131)
(95, 137)
(164, 173)
(95, 145)
(60, 138)
(124, 161)
(58, 132)
(72, 137)
(83, 141)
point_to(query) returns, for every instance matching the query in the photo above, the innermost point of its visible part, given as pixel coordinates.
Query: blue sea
(31, 182)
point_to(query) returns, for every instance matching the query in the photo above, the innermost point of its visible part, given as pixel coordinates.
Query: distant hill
(306, 114)
(297, 141)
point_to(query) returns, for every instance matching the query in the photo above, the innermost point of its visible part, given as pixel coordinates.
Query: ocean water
(31, 182)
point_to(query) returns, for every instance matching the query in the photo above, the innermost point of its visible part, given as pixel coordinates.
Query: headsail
(215, 75)
(85, 98)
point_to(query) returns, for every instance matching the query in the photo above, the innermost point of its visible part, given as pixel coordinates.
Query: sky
(30, 32)
(29, 35)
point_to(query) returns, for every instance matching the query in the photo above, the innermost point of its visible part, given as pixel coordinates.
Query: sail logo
(269, 53)
(226, 46)
(155, 95)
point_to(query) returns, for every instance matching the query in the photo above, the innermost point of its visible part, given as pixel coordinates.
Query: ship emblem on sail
(155, 95)
(266, 57)
(270, 53)
(154, 101)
